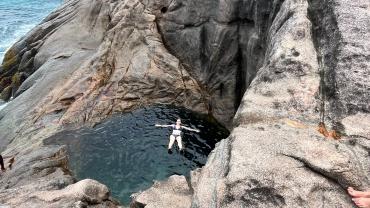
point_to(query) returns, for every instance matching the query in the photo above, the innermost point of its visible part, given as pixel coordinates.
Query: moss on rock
(10, 59)
(16, 79)
(4, 82)
(6, 93)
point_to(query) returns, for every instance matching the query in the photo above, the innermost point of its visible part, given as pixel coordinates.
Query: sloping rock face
(39, 177)
(87, 190)
(174, 192)
(294, 71)
(220, 42)
(280, 153)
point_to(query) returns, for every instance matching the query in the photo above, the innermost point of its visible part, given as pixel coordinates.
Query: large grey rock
(220, 42)
(278, 156)
(87, 190)
(39, 177)
(55, 56)
(172, 193)
(303, 63)
(341, 39)
(90, 59)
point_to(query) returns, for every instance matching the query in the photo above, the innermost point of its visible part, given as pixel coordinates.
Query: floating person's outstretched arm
(190, 129)
(159, 125)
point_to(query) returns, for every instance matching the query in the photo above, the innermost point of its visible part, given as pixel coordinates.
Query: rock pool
(127, 152)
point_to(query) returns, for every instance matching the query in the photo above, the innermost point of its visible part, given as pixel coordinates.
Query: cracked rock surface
(290, 77)
(316, 55)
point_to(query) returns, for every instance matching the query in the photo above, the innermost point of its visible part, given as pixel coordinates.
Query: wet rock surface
(296, 139)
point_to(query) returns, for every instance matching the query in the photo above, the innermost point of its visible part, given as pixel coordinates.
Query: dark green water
(126, 152)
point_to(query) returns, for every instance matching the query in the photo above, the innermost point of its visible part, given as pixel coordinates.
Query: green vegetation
(10, 59)
(16, 80)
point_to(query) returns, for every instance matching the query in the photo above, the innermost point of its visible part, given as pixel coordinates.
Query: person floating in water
(360, 198)
(176, 134)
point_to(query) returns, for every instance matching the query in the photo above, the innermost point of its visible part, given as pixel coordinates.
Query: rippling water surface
(17, 17)
(127, 152)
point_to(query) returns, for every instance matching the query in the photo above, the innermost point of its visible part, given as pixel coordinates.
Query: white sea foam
(20, 16)
(3, 105)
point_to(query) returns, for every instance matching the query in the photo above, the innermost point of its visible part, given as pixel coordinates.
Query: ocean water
(127, 152)
(17, 17)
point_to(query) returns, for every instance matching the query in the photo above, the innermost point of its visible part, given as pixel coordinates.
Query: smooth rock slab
(173, 193)
(87, 190)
